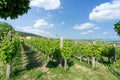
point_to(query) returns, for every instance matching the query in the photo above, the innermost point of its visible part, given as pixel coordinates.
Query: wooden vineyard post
(8, 71)
(93, 61)
(93, 57)
(114, 57)
(61, 46)
(9, 66)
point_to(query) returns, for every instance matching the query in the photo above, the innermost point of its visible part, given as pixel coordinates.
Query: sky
(70, 19)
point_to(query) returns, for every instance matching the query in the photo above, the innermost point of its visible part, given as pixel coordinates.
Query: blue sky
(71, 19)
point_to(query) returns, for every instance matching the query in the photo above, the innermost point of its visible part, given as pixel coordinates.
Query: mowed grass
(31, 66)
(80, 72)
(77, 72)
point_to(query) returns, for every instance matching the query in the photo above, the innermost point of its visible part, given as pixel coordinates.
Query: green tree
(117, 28)
(12, 9)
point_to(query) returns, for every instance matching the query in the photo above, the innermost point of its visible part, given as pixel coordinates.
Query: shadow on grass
(52, 64)
(106, 63)
(112, 70)
(117, 74)
(33, 60)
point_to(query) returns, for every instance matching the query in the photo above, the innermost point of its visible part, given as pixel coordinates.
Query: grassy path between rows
(32, 64)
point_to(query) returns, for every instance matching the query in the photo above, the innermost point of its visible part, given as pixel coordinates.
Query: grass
(80, 71)
(30, 65)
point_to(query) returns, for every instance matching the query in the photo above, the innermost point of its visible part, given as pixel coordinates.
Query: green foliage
(66, 51)
(4, 29)
(91, 49)
(80, 48)
(8, 49)
(118, 52)
(97, 48)
(72, 50)
(117, 28)
(49, 46)
(12, 9)
(108, 51)
(88, 49)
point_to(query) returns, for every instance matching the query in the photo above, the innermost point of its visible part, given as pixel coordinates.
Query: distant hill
(27, 34)
(31, 34)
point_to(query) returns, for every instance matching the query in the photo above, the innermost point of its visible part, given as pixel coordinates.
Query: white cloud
(62, 22)
(87, 32)
(106, 11)
(96, 28)
(83, 26)
(33, 30)
(105, 33)
(90, 27)
(42, 23)
(46, 4)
